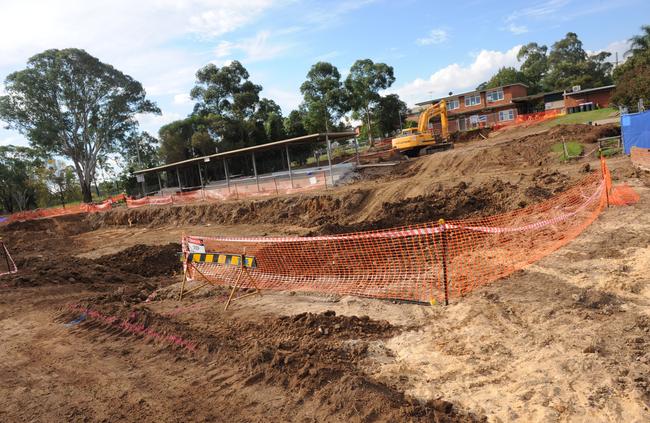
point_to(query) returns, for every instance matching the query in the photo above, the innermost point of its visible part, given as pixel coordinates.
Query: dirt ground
(92, 329)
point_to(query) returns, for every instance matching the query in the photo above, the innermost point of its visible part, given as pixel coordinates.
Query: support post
(178, 176)
(159, 183)
(200, 176)
(257, 177)
(276, 186)
(356, 149)
(225, 169)
(329, 156)
(286, 147)
(443, 234)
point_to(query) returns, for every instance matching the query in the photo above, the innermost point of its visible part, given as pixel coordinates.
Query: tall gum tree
(69, 103)
(363, 84)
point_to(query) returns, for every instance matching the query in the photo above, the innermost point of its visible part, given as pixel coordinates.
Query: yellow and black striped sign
(230, 259)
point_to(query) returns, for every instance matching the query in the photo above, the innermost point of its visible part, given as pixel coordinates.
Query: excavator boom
(420, 141)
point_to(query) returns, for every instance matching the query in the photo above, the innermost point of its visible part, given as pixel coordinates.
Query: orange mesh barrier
(61, 211)
(640, 157)
(424, 263)
(530, 118)
(237, 191)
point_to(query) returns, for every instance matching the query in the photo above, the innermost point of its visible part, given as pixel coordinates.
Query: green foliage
(504, 76)
(325, 98)
(61, 184)
(574, 149)
(569, 65)
(225, 91)
(388, 113)
(633, 76)
(534, 66)
(68, 103)
(18, 181)
(565, 65)
(363, 83)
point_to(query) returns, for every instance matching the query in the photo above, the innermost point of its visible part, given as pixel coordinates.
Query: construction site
(493, 281)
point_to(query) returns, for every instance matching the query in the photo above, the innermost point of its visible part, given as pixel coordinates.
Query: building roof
(536, 96)
(468, 92)
(605, 87)
(248, 150)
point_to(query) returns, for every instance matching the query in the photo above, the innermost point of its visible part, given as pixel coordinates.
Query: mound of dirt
(145, 260)
(42, 270)
(310, 356)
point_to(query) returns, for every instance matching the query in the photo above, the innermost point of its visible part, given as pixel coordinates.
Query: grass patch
(582, 117)
(610, 151)
(573, 148)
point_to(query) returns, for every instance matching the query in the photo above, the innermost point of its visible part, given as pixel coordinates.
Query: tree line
(72, 106)
(79, 114)
(566, 64)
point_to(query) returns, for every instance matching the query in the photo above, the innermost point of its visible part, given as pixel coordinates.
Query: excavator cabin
(419, 141)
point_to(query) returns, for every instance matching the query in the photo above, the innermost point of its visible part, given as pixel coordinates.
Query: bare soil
(92, 329)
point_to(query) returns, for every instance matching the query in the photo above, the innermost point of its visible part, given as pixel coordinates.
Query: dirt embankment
(477, 179)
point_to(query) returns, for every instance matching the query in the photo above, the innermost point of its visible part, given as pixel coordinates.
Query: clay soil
(92, 329)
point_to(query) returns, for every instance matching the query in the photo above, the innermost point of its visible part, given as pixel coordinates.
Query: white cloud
(327, 56)
(182, 99)
(541, 10)
(118, 27)
(457, 77)
(10, 137)
(254, 49)
(288, 100)
(517, 29)
(436, 36)
(152, 123)
(614, 47)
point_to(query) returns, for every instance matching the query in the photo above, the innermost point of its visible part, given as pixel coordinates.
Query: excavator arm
(440, 109)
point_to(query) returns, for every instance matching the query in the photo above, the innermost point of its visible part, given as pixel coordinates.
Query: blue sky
(435, 47)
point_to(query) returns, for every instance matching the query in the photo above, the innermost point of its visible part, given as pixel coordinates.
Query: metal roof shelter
(251, 150)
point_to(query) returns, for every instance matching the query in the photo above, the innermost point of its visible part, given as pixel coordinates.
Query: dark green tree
(633, 77)
(534, 66)
(70, 104)
(640, 44)
(504, 76)
(141, 150)
(325, 98)
(569, 65)
(363, 84)
(18, 177)
(389, 114)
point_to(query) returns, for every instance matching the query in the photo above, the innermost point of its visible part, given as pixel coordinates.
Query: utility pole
(137, 148)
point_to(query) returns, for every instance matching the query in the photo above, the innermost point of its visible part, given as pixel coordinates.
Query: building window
(493, 96)
(453, 104)
(507, 114)
(472, 100)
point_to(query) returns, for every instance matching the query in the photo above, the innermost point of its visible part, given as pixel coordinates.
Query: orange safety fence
(430, 262)
(640, 157)
(530, 118)
(237, 191)
(61, 211)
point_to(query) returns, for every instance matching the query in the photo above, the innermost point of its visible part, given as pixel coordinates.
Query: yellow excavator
(419, 141)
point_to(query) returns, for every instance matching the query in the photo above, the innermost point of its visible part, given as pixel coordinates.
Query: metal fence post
(443, 234)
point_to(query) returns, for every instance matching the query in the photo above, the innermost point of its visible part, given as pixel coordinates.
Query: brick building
(479, 108)
(588, 99)
(502, 105)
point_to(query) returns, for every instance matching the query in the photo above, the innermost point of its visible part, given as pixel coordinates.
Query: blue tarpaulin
(636, 130)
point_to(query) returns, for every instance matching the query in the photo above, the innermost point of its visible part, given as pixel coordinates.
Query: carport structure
(200, 164)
